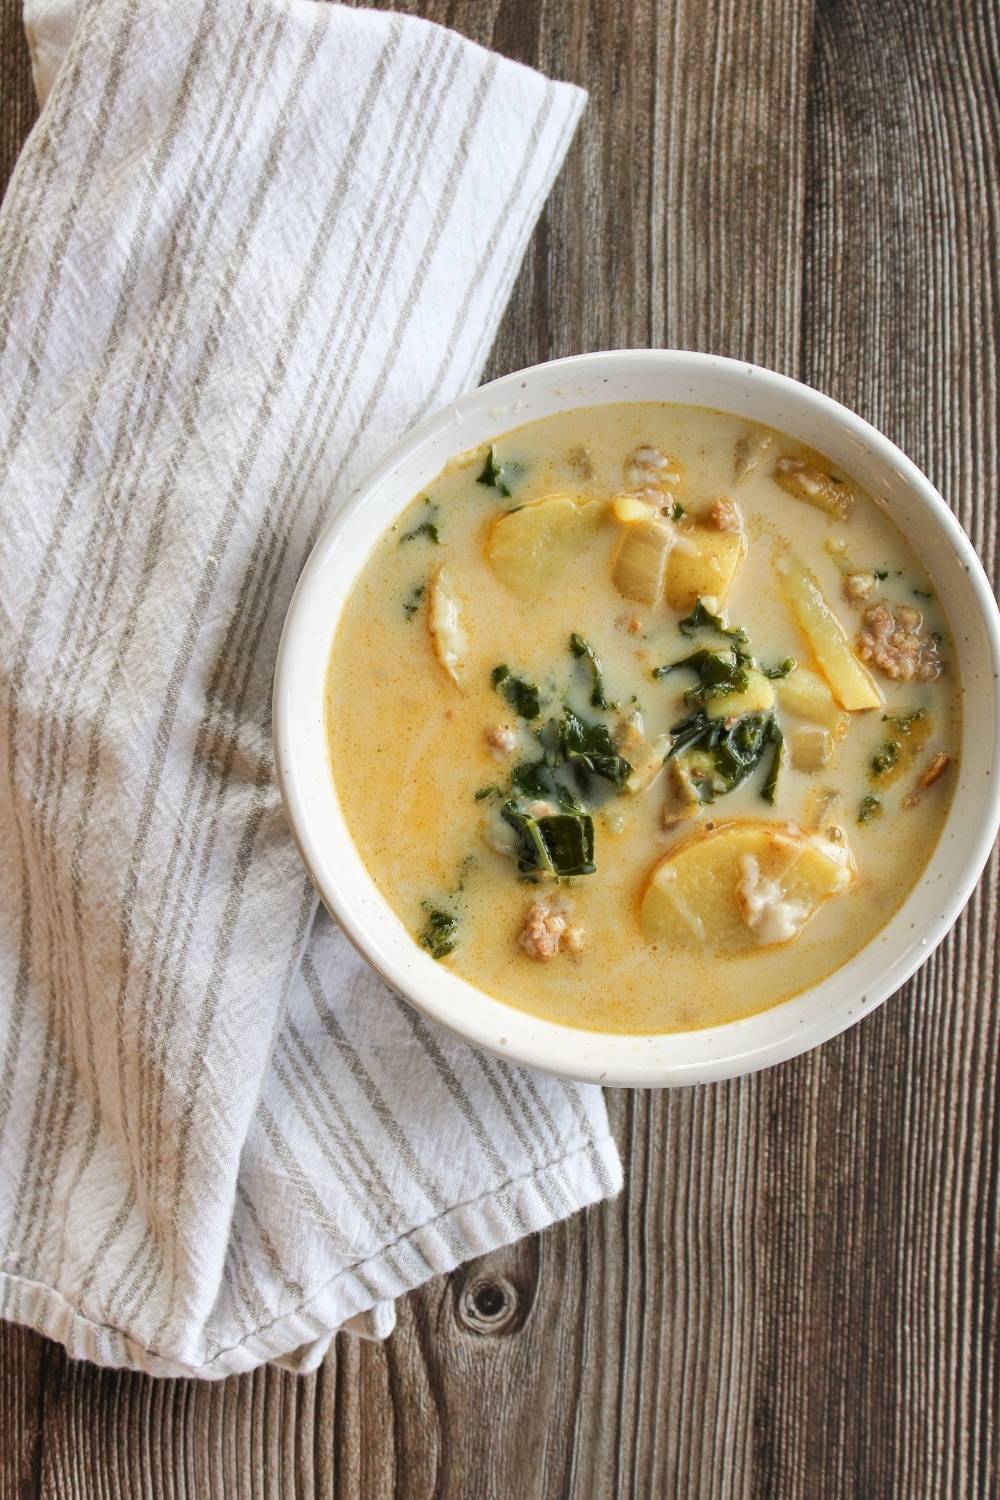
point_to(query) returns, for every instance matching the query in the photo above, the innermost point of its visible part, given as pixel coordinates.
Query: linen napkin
(247, 244)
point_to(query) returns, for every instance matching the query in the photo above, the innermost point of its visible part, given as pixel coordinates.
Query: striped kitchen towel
(247, 244)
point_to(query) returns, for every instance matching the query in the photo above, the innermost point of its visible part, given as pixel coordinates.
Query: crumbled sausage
(937, 768)
(547, 930)
(502, 740)
(650, 468)
(858, 587)
(891, 638)
(724, 514)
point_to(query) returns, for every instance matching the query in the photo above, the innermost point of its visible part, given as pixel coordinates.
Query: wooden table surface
(797, 1294)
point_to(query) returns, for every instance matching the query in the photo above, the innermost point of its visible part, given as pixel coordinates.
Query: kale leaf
(735, 751)
(496, 475)
(439, 936)
(702, 618)
(718, 673)
(582, 648)
(868, 808)
(523, 697)
(560, 844)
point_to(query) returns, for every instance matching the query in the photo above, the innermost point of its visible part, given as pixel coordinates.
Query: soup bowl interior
(350, 894)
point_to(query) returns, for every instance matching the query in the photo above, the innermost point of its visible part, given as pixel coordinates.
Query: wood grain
(795, 1296)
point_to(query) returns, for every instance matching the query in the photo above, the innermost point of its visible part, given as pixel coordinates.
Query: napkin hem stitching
(584, 1148)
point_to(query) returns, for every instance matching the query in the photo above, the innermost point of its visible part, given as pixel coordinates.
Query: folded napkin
(246, 246)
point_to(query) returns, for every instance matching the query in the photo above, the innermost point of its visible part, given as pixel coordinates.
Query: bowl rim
(656, 1060)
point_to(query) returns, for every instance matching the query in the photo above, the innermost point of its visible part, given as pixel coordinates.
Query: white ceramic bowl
(318, 824)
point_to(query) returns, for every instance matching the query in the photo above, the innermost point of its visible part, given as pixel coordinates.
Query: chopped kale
(588, 750)
(523, 697)
(559, 844)
(869, 807)
(783, 669)
(770, 788)
(702, 618)
(412, 604)
(885, 758)
(904, 721)
(922, 594)
(583, 648)
(439, 936)
(426, 528)
(676, 511)
(880, 573)
(718, 673)
(486, 791)
(496, 475)
(736, 751)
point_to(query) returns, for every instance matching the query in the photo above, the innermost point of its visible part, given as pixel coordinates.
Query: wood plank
(878, 1367)
(17, 97)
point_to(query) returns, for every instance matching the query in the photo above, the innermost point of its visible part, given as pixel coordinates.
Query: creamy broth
(411, 747)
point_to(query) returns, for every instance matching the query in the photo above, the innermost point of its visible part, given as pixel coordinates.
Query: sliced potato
(805, 694)
(628, 509)
(640, 563)
(756, 698)
(703, 565)
(444, 620)
(808, 482)
(532, 550)
(741, 886)
(850, 681)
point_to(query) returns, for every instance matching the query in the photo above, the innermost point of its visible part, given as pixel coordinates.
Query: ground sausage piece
(891, 638)
(724, 515)
(935, 770)
(502, 739)
(938, 766)
(650, 468)
(547, 930)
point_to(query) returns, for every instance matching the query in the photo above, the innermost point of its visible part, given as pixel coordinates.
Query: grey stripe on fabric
(155, 533)
(445, 201)
(451, 1082)
(266, 1242)
(204, 589)
(505, 282)
(306, 1189)
(112, 81)
(376, 1099)
(169, 300)
(36, 170)
(42, 1138)
(503, 217)
(121, 449)
(437, 1200)
(353, 1184)
(209, 1007)
(40, 330)
(525, 1129)
(207, 752)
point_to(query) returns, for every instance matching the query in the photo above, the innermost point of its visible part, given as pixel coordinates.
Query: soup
(643, 718)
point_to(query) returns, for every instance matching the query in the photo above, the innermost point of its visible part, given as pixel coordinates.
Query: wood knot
(489, 1304)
